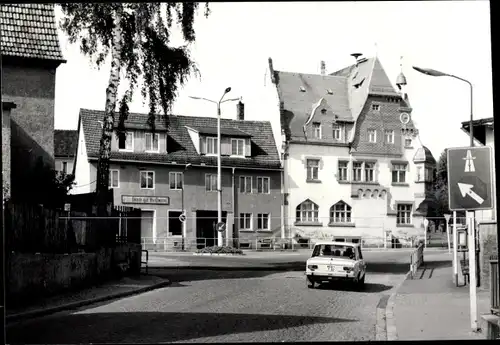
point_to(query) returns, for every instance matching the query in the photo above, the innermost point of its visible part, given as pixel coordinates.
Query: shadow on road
(369, 287)
(436, 264)
(388, 267)
(151, 327)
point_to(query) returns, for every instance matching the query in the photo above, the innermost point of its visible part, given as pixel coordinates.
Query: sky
(234, 43)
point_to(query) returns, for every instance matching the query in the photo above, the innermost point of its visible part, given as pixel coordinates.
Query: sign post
(455, 247)
(447, 218)
(426, 224)
(470, 189)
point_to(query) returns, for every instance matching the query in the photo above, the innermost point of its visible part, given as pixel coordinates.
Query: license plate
(331, 268)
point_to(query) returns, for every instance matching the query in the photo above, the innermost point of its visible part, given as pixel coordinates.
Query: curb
(390, 318)
(226, 268)
(78, 304)
(218, 254)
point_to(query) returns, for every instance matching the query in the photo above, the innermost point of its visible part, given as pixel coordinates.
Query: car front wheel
(310, 283)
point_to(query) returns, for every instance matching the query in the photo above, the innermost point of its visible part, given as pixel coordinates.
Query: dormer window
(302, 89)
(152, 142)
(238, 147)
(212, 147)
(128, 143)
(375, 107)
(329, 91)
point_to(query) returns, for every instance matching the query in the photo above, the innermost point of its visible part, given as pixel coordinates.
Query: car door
(362, 263)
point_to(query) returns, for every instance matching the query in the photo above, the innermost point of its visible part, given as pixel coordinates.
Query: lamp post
(219, 183)
(182, 207)
(472, 243)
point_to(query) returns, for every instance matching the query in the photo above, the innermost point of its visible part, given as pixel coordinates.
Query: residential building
(65, 143)
(353, 162)
(30, 57)
(484, 135)
(168, 171)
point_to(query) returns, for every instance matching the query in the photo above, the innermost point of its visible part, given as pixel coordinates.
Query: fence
(416, 260)
(494, 288)
(35, 229)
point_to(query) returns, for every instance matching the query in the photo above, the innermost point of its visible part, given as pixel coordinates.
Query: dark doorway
(174, 223)
(205, 227)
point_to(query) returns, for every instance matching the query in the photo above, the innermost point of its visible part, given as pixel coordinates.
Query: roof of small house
(180, 146)
(65, 143)
(423, 154)
(29, 31)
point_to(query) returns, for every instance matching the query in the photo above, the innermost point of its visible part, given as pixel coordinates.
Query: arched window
(340, 213)
(307, 211)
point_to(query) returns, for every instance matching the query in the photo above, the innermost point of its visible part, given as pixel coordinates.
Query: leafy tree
(136, 36)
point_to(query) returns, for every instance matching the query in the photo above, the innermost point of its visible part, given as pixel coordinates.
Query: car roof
(349, 244)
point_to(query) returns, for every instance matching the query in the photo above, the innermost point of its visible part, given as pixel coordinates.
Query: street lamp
(219, 183)
(472, 246)
(182, 201)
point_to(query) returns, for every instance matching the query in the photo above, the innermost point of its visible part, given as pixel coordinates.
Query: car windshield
(334, 250)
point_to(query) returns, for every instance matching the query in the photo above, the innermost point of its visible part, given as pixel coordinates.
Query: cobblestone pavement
(431, 307)
(222, 306)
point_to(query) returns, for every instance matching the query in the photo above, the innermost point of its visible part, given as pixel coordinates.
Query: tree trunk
(108, 122)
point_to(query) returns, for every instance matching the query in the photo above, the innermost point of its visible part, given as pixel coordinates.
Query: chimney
(323, 68)
(240, 111)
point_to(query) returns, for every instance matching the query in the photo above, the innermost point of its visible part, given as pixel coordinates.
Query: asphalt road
(203, 305)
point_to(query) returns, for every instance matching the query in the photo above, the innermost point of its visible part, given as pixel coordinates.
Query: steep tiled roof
(29, 31)
(65, 143)
(264, 151)
(423, 154)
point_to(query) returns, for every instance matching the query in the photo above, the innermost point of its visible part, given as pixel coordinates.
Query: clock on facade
(404, 118)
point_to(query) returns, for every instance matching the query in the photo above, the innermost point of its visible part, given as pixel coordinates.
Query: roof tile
(29, 31)
(264, 152)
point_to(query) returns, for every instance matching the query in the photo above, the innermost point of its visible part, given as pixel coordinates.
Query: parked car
(336, 261)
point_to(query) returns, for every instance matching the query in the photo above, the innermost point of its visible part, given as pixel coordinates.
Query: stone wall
(32, 276)
(488, 247)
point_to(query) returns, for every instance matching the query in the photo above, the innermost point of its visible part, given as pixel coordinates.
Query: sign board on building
(67, 207)
(132, 199)
(470, 185)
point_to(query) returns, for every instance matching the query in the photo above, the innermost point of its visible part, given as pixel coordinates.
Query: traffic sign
(182, 217)
(470, 184)
(221, 226)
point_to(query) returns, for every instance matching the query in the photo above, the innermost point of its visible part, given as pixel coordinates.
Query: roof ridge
(314, 74)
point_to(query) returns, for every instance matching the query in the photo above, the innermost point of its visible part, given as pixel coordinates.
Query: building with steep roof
(65, 142)
(354, 166)
(170, 171)
(30, 56)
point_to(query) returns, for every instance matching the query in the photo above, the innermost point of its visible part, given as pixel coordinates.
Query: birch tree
(136, 38)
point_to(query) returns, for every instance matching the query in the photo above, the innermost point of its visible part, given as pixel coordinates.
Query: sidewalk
(431, 307)
(72, 300)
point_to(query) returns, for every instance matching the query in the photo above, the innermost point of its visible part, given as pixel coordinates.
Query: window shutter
(203, 145)
(248, 146)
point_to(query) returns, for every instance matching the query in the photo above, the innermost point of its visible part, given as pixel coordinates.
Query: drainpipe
(233, 209)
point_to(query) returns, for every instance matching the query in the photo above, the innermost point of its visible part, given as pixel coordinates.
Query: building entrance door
(147, 224)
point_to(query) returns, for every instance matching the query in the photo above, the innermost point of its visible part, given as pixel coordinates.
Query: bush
(221, 250)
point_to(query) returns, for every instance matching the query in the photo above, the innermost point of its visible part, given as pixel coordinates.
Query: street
(203, 305)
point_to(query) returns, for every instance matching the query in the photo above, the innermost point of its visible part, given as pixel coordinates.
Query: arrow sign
(466, 189)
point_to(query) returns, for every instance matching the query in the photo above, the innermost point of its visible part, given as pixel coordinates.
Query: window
(245, 221)
(263, 185)
(428, 175)
(407, 142)
(152, 141)
(342, 171)
(375, 107)
(399, 173)
(176, 180)
(389, 136)
(337, 132)
(419, 174)
(307, 212)
(316, 130)
(340, 213)
(357, 168)
(312, 169)
(128, 143)
(238, 147)
(372, 136)
(212, 146)
(65, 167)
(245, 184)
(369, 172)
(147, 179)
(404, 214)
(211, 183)
(114, 178)
(263, 221)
